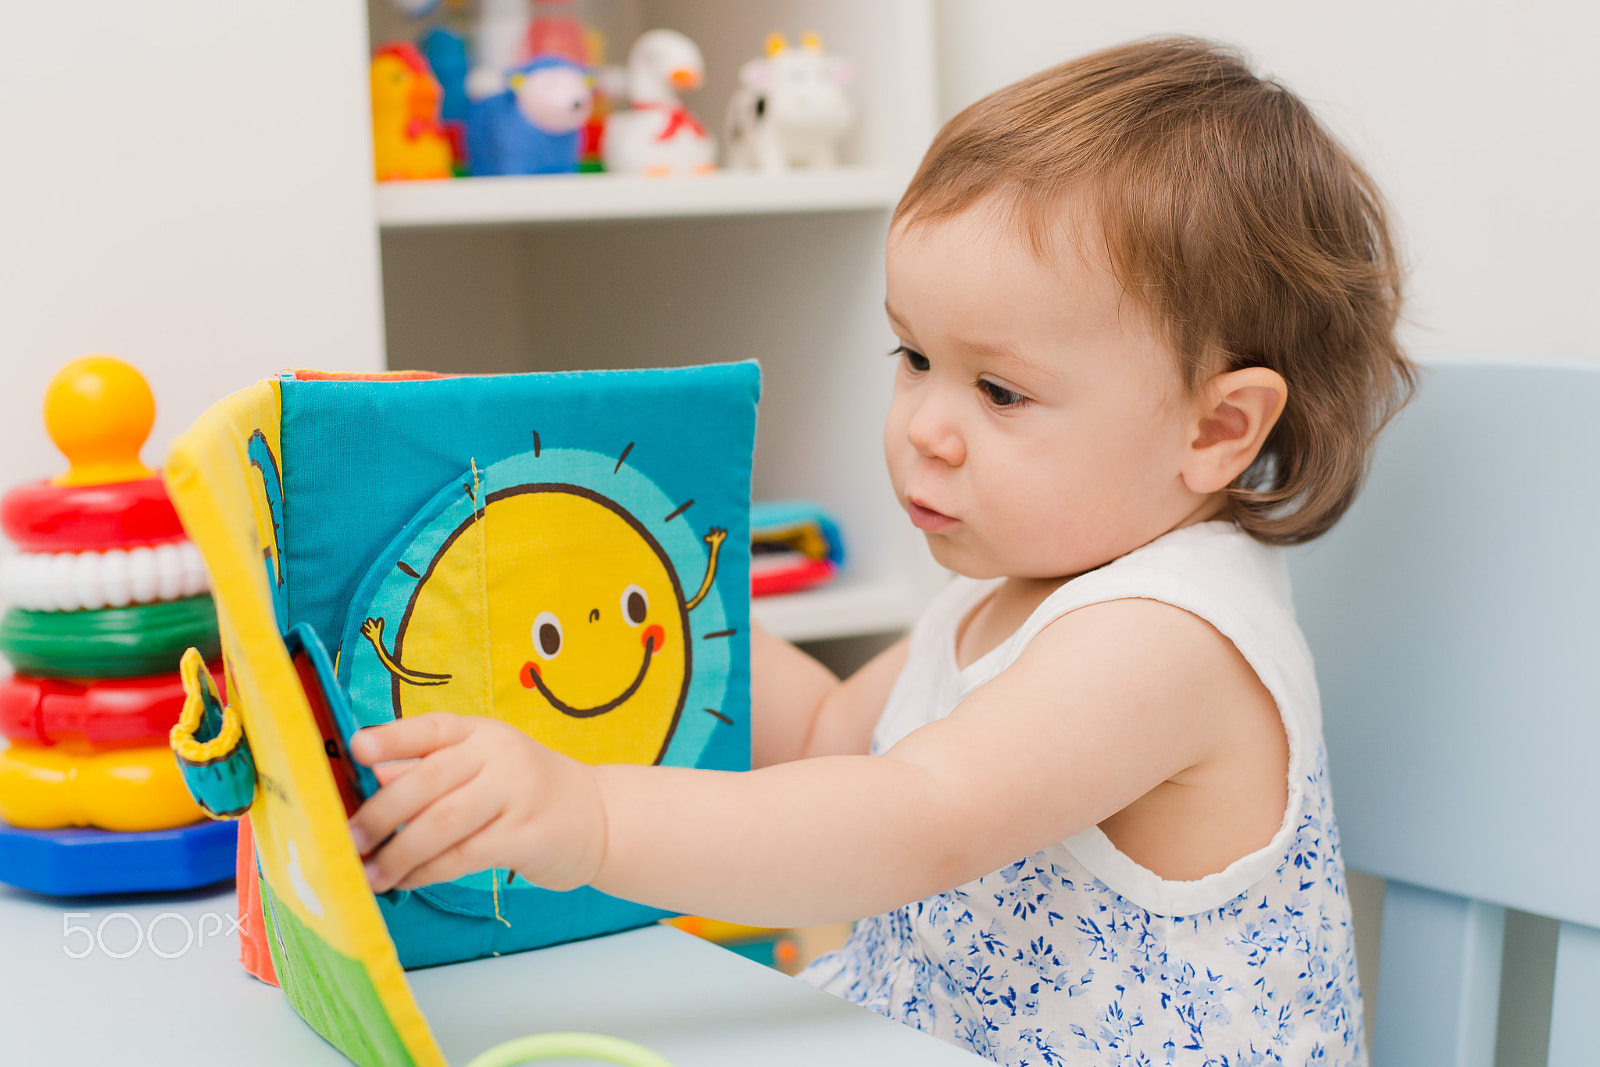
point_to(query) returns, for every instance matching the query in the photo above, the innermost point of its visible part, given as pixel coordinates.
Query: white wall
(1479, 118)
(184, 184)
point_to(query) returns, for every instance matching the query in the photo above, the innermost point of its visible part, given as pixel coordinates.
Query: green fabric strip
(330, 990)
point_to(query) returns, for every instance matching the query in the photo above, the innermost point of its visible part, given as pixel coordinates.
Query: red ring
(41, 517)
(46, 710)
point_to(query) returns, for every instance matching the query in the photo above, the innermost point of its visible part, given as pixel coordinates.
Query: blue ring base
(85, 862)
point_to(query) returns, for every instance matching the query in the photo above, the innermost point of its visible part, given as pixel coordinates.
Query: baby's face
(1039, 424)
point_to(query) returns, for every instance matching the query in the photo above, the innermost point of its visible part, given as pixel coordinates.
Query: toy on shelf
(499, 41)
(446, 53)
(416, 9)
(105, 595)
(408, 140)
(794, 545)
(554, 31)
(658, 135)
(533, 126)
(790, 109)
(608, 84)
(508, 33)
(563, 552)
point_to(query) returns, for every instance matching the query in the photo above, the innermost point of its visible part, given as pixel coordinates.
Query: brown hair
(1231, 215)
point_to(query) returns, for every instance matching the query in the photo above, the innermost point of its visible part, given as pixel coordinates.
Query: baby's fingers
(476, 853)
(404, 797)
(388, 772)
(441, 843)
(408, 738)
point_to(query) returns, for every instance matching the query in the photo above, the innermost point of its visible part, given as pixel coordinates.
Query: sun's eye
(635, 605)
(999, 395)
(547, 635)
(914, 360)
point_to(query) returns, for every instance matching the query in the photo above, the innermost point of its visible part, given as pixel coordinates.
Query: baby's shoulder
(1140, 644)
(1212, 571)
(1207, 604)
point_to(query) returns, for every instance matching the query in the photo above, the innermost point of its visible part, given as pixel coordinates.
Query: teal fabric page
(383, 480)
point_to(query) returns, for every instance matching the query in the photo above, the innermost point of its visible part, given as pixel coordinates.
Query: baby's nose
(934, 435)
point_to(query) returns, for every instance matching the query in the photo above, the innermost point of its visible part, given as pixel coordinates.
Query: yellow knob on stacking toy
(99, 411)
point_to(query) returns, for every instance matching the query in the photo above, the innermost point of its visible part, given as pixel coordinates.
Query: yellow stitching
(494, 880)
(483, 586)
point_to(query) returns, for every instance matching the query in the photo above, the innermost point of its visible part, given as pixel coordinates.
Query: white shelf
(583, 197)
(847, 609)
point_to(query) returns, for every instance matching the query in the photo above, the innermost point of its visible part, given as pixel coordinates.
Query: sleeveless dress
(1078, 955)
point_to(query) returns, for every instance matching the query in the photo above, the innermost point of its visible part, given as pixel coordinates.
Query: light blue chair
(1455, 619)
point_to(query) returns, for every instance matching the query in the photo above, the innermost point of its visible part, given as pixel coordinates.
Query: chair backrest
(1455, 619)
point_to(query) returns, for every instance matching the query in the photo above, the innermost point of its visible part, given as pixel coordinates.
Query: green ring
(569, 1045)
(109, 642)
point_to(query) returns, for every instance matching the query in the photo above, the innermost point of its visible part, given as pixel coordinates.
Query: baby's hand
(477, 793)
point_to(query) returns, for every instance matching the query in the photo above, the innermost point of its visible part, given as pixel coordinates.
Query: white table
(138, 995)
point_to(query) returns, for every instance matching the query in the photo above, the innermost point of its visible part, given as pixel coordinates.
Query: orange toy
(99, 410)
(408, 140)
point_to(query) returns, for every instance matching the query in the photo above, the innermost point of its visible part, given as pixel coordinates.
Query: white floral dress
(1076, 954)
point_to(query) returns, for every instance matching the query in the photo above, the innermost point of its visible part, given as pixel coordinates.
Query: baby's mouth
(925, 518)
(531, 679)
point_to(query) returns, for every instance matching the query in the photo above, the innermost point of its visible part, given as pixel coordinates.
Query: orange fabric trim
(253, 950)
(379, 376)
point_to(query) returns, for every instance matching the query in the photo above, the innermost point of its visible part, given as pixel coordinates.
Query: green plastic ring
(109, 642)
(574, 1046)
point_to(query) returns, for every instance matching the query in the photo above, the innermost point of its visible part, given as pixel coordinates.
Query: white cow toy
(790, 108)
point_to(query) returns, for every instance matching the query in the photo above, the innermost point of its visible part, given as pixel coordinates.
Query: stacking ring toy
(110, 642)
(74, 861)
(113, 578)
(46, 710)
(44, 787)
(74, 518)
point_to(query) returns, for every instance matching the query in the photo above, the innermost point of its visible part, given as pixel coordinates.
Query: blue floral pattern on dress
(1041, 964)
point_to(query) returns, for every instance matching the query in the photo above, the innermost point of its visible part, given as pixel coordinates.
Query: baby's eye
(915, 360)
(999, 395)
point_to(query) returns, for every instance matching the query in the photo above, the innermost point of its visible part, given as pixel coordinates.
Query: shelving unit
(845, 609)
(600, 197)
(585, 271)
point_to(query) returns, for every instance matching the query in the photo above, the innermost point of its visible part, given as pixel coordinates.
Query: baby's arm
(1104, 705)
(798, 708)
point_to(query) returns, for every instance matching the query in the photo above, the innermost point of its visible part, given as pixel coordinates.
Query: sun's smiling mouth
(531, 679)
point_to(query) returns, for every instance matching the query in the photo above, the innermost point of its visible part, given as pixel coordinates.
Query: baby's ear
(1233, 414)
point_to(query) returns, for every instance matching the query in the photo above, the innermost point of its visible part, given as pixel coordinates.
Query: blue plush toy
(446, 52)
(533, 126)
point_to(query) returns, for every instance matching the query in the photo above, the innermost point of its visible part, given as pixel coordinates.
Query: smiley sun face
(561, 591)
(589, 655)
(587, 625)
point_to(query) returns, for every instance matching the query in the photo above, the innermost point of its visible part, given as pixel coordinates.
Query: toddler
(1145, 306)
